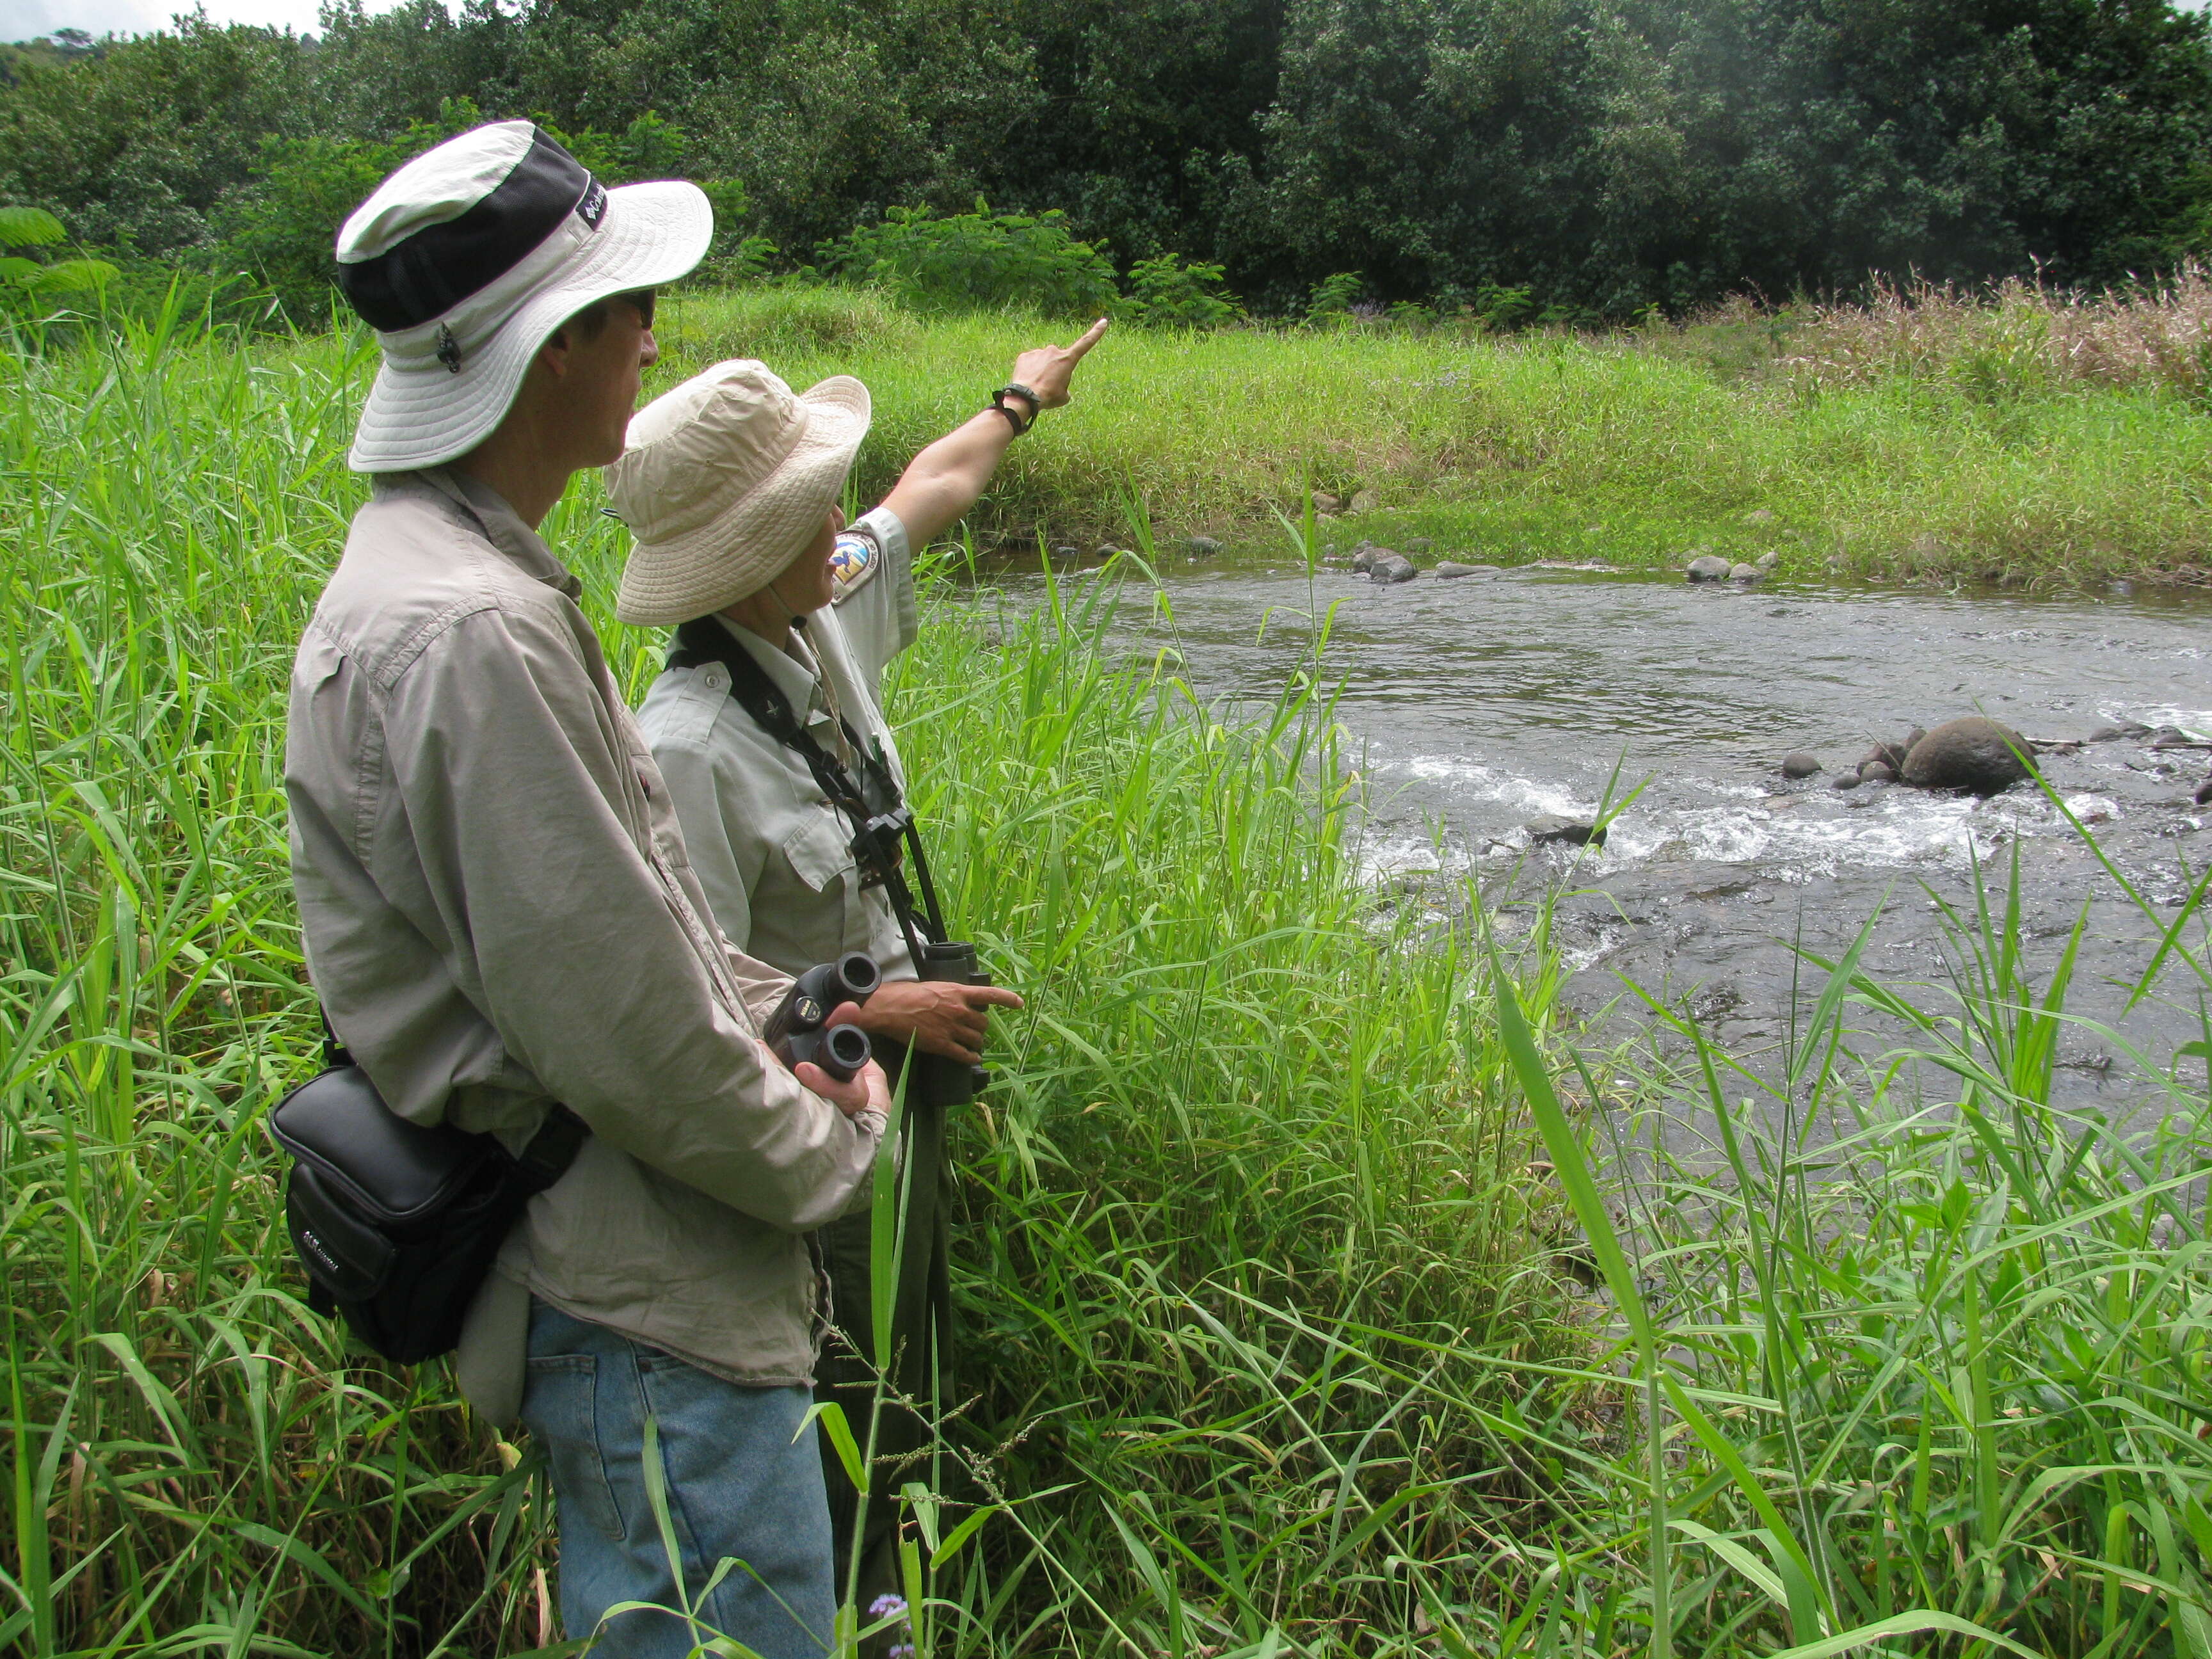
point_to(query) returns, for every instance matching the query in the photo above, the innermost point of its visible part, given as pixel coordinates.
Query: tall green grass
(1229, 1102)
(1270, 1344)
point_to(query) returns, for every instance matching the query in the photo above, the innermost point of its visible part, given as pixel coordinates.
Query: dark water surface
(1483, 701)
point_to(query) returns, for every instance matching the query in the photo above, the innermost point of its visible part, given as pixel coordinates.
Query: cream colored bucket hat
(725, 481)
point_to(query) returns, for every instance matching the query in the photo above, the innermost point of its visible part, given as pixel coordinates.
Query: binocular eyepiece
(798, 1029)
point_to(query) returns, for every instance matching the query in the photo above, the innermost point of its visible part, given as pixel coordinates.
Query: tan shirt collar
(501, 524)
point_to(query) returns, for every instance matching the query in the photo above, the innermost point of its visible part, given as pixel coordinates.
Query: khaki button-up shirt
(499, 913)
(774, 856)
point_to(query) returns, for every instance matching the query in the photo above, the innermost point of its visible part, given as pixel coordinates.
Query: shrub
(1165, 292)
(1333, 299)
(23, 280)
(976, 261)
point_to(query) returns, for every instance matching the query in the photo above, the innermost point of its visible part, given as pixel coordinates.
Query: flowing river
(1479, 703)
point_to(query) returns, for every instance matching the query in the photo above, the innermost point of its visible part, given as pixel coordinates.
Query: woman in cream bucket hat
(787, 620)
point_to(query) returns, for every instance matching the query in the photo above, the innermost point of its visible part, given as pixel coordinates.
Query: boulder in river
(2204, 792)
(1390, 567)
(1845, 781)
(1799, 763)
(1066, 552)
(1552, 827)
(1201, 547)
(1745, 573)
(1709, 568)
(1877, 772)
(1451, 567)
(1973, 754)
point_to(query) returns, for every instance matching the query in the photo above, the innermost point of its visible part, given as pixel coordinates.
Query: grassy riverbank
(1935, 447)
(1271, 1349)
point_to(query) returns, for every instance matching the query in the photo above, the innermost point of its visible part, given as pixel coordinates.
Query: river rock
(1066, 552)
(1201, 547)
(1845, 781)
(1972, 754)
(1876, 771)
(1799, 763)
(2204, 796)
(1390, 567)
(1709, 568)
(1891, 755)
(1451, 567)
(1552, 827)
(1745, 573)
(1363, 557)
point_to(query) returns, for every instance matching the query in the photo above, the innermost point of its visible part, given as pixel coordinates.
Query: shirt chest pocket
(821, 860)
(816, 851)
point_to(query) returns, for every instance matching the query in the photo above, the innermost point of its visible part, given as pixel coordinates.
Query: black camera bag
(396, 1224)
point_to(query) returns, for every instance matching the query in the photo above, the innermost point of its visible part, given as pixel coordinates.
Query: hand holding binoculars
(800, 1028)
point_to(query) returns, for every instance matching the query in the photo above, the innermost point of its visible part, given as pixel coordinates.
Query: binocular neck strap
(705, 640)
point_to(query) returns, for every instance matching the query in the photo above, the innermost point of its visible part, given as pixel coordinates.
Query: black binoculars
(798, 1029)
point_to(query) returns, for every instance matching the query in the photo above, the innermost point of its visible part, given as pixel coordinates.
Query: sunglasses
(642, 302)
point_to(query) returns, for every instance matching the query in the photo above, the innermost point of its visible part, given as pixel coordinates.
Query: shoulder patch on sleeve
(852, 564)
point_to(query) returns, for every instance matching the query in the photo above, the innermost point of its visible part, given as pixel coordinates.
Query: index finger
(1090, 338)
(981, 996)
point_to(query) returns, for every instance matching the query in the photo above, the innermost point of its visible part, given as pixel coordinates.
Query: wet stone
(1390, 567)
(1745, 573)
(1976, 754)
(1451, 567)
(1874, 771)
(1801, 763)
(1551, 827)
(1844, 780)
(1201, 547)
(1709, 568)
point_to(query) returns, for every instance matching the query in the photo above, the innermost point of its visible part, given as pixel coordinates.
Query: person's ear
(555, 352)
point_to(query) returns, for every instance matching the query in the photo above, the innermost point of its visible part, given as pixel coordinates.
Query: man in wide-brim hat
(769, 729)
(499, 916)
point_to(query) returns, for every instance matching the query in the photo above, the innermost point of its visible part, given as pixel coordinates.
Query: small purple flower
(887, 1606)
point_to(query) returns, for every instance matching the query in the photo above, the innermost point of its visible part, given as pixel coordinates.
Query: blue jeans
(742, 1482)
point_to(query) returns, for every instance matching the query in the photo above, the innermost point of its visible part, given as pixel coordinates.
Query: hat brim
(426, 414)
(742, 549)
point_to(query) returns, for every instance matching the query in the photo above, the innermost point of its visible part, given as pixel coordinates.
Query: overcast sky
(25, 20)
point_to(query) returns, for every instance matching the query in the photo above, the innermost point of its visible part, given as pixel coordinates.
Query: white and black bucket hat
(465, 260)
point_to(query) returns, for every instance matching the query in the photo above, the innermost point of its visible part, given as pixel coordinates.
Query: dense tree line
(1597, 155)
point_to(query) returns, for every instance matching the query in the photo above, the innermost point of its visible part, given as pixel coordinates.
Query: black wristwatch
(1020, 421)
